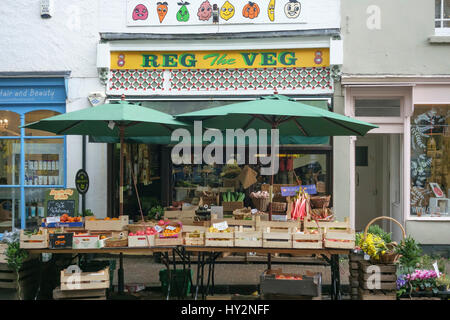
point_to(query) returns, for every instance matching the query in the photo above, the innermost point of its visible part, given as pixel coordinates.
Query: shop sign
(82, 181)
(234, 59)
(208, 12)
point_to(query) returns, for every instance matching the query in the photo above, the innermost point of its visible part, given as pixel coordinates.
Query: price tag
(53, 219)
(436, 268)
(366, 257)
(158, 229)
(170, 228)
(254, 211)
(217, 210)
(221, 226)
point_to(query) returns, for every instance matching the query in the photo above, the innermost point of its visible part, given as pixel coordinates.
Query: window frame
(441, 31)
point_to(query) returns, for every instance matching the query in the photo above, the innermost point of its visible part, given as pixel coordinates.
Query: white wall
(65, 42)
(320, 14)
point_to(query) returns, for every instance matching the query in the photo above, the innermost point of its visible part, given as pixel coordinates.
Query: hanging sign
(82, 181)
(201, 12)
(233, 59)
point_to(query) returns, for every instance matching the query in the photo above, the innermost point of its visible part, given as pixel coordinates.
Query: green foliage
(443, 281)
(410, 252)
(88, 213)
(375, 229)
(427, 261)
(155, 213)
(15, 256)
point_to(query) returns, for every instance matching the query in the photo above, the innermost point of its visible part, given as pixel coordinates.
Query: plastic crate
(180, 285)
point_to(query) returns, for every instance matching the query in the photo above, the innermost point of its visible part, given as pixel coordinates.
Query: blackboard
(60, 207)
(61, 201)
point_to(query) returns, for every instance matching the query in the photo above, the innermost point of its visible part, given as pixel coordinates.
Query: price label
(436, 268)
(221, 226)
(53, 219)
(254, 211)
(158, 229)
(170, 228)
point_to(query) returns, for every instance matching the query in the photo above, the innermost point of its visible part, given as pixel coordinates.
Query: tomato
(161, 222)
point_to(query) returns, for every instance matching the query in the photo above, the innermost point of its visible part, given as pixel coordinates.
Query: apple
(131, 234)
(148, 232)
(161, 222)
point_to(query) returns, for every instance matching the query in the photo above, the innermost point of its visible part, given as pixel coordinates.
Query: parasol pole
(121, 133)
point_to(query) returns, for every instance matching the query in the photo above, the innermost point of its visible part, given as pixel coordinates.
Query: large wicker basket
(319, 202)
(277, 206)
(391, 256)
(261, 203)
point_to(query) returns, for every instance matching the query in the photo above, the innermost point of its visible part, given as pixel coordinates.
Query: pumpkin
(250, 10)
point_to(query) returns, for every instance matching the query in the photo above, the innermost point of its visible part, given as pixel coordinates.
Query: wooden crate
(3, 248)
(248, 239)
(163, 242)
(85, 280)
(92, 294)
(28, 279)
(277, 234)
(307, 241)
(248, 225)
(227, 239)
(194, 235)
(339, 239)
(37, 241)
(107, 225)
(172, 214)
(387, 275)
(376, 295)
(232, 205)
(141, 241)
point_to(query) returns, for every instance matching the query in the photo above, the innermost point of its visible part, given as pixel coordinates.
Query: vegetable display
(233, 196)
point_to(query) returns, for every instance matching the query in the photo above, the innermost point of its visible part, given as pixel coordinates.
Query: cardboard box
(86, 242)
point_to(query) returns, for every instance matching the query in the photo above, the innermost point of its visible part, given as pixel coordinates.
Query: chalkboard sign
(61, 201)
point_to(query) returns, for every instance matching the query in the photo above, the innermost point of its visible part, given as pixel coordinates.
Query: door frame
(387, 125)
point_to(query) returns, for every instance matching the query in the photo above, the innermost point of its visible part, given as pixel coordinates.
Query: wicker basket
(390, 256)
(242, 214)
(261, 203)
(116, 243)
(277, 206)
(319, 202)
(320, 187)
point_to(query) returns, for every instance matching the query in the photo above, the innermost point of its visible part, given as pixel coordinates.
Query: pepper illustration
(271, 10)
(183, 13)
(162, 9)
(204, 11)
(250, 10)
(227, 11)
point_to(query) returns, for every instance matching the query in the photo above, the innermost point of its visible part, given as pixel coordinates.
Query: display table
(207, 256)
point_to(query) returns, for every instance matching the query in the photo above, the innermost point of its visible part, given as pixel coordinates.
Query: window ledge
(429, 219)
(439, 39)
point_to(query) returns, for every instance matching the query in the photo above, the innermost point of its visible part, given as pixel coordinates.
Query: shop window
(9, 124)
(9, 162)
(377, 108)
(34, 116)
(44, 162)
(9, 208)
(442, 17)
(430, 161)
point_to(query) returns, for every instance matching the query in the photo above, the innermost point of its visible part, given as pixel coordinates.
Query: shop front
(177, 82)
(411, 147)
(31, 161)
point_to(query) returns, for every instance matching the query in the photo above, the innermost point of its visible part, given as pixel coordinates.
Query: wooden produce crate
(28, 279)
(290, 284)
(168, 242)
(387, 275)
(277, 234)
(248, 239)
(37, 241)
(107, 225)
(172, 214)
(376, 295)
(232, 205)
(3, 248)
(141, 241)
(219, 239)
(85, 241)
(340, 239)
(90, 294)
(141, 226)
(248, 225)
(307, 241)
(194, 235)
(85, 280)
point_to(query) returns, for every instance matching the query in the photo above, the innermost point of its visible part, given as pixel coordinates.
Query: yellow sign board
(236, 59)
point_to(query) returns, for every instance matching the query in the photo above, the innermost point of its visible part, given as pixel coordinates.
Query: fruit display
(215, 230)
(66, 218)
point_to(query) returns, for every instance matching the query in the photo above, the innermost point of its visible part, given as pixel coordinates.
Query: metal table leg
(120, 275)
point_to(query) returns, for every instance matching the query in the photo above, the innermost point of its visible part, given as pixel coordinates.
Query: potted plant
(15, 257)
(443, 283)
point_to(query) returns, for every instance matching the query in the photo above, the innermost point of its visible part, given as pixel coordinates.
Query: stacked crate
(353, 266)
(28, 279)
(387, 289)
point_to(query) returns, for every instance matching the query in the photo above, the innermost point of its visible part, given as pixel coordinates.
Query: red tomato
(131, 234)
(161, 222)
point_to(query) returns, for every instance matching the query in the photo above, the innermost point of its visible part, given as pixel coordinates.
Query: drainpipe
(83, 166)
